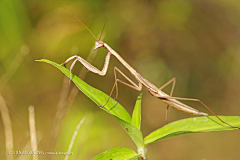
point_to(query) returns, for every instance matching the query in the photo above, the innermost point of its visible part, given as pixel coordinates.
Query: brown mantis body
(153, 90)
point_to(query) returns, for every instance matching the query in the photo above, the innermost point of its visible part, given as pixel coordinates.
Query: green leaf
(133, 132)
(136, 116)
(117, 154)
(112, 107)
(95, 95)
(192, 125)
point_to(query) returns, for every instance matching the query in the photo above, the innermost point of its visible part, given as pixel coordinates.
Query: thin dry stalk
(33, 131)
(74, 136)
(66, 101)
(25, 138)
(7, 128)
(60, 112)
(24, 50)
(84, 135)
(82, 74)
(73, 93)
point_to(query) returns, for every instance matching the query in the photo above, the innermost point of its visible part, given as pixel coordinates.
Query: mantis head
(98, 44)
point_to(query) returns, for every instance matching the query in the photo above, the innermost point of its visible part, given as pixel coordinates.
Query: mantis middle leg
(132, 85)
(173, 80)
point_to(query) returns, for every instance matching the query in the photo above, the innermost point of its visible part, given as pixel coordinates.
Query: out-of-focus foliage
(195, 41)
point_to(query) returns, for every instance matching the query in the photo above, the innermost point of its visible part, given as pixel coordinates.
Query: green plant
(132, 124)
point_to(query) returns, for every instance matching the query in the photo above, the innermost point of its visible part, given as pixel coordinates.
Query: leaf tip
(40, 60)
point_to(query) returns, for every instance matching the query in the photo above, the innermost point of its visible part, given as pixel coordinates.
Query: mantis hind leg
(197, 100)
(173, 80)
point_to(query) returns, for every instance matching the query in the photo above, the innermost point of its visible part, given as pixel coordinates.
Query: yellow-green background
(196, 41)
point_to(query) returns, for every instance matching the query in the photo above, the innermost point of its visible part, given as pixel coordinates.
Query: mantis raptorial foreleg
(173, 80)
(89, 66)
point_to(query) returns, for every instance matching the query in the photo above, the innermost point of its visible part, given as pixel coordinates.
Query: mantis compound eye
(98, 44)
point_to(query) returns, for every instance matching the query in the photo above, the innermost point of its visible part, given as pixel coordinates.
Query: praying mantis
(142, 82)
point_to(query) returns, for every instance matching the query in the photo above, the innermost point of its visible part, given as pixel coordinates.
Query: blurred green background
(196, 41)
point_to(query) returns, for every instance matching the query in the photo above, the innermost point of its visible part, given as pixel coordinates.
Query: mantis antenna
(102, 30)
(82, 23)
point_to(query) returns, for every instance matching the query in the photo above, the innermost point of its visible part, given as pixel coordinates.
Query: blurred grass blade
(112, 107)
(136, 116)
(192, 125)
(74, 137)
(7, 125)
(117, 154)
